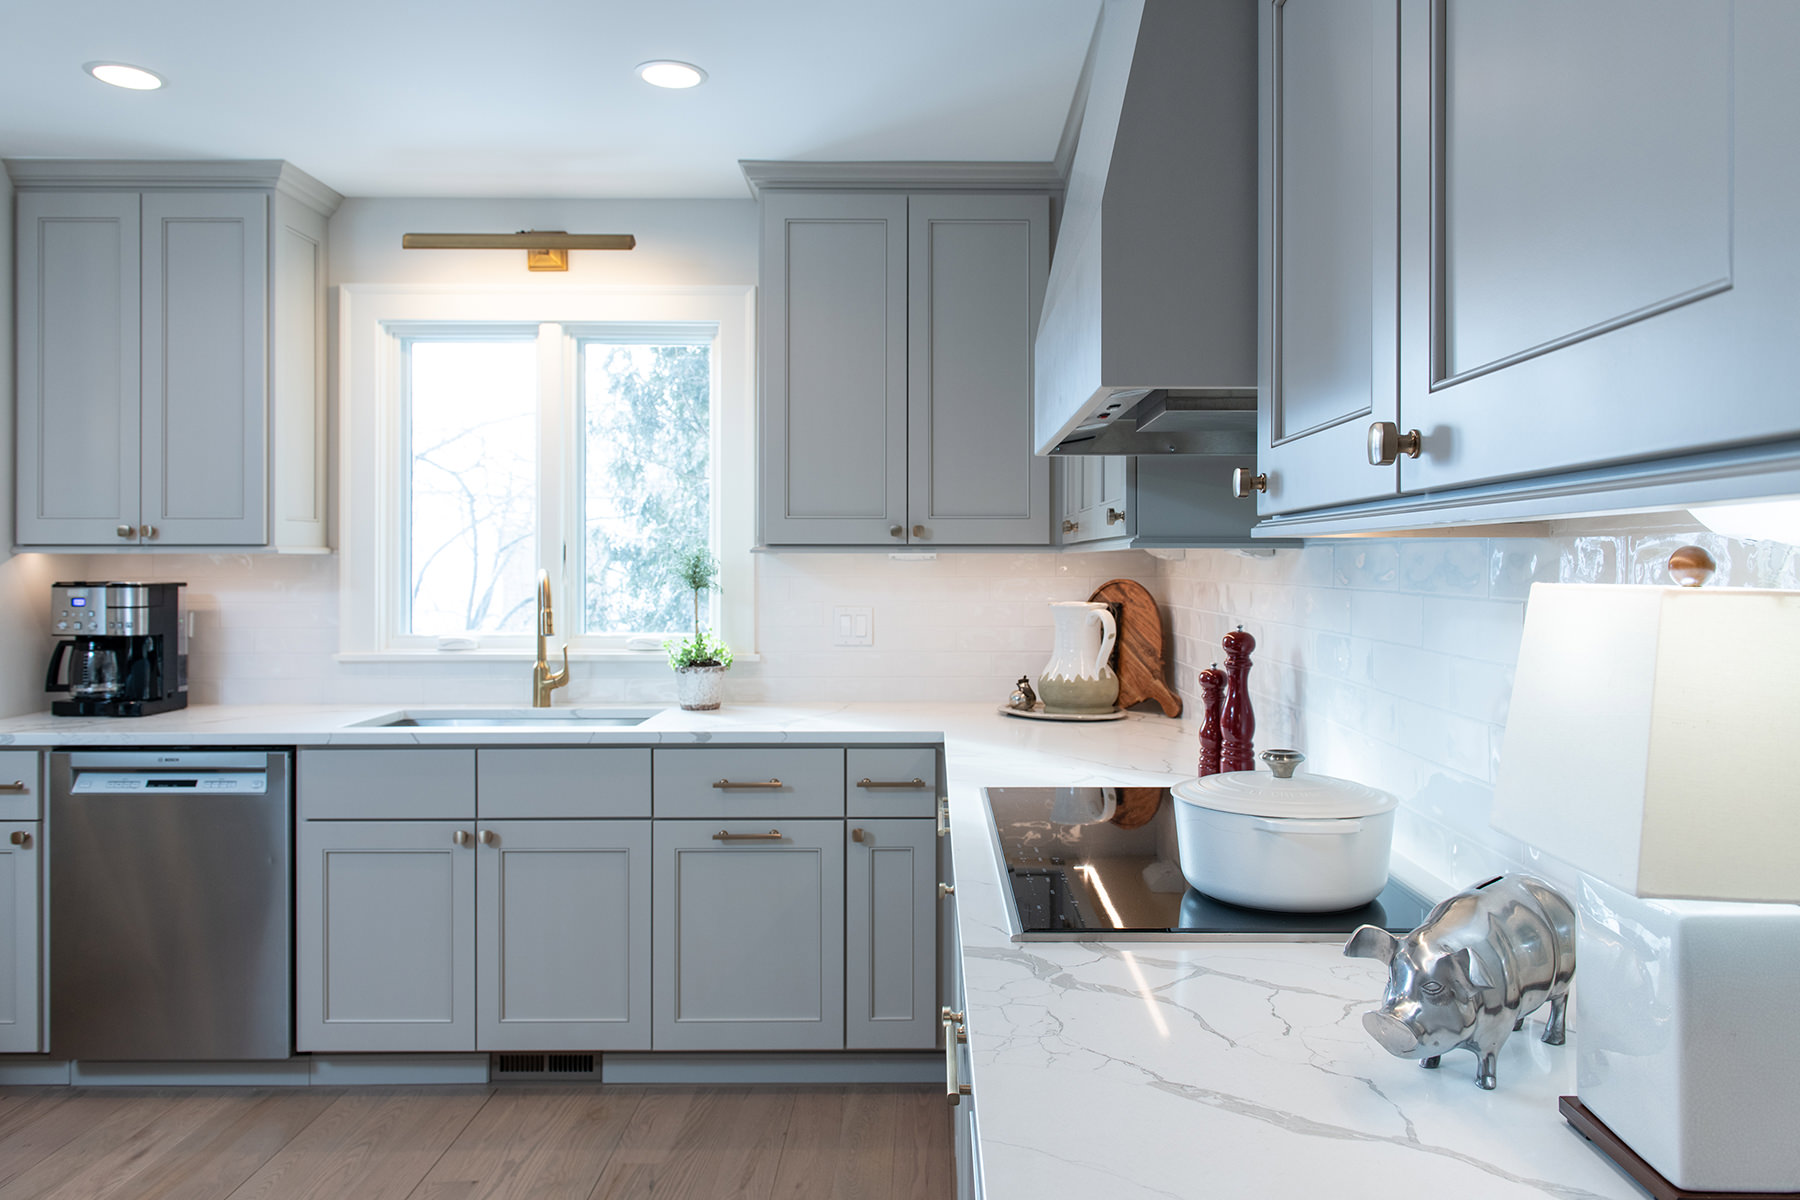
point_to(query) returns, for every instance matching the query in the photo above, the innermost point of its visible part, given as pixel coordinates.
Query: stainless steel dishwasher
(171, 905)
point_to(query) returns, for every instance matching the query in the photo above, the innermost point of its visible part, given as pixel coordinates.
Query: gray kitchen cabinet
(1094, 505)
(896, 359)
(385, 784)
(749, 934)
(1117, 502)
(891, 781)
(170, 375)
(562, 935)
(21, 903)
(890, 935)
(385, 935)
(721, 782)
(1329, 258)
(1598, 247)
(566, 782)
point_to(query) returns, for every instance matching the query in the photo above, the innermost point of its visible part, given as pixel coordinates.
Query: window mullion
(556, 376)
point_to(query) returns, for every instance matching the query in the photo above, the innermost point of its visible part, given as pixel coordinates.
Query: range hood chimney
(1147, 343)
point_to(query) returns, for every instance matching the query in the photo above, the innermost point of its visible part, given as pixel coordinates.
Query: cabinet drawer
(748, 783)
(368, 785)
(19, 785)
(879, 783)
(564, 783)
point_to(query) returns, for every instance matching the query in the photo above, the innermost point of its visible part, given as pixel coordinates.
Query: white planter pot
(699, 688)
(1305, 844)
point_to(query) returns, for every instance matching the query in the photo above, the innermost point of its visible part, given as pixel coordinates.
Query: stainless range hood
(1147, 343)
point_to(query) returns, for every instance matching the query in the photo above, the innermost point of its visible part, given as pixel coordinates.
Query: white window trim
(372, 320)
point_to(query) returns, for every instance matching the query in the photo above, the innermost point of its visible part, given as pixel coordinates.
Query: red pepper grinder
(1212, 688)
(1237, 723)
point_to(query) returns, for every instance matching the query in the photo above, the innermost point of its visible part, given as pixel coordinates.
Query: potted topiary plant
(700, 661)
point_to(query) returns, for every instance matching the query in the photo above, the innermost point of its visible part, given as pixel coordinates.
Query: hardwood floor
(542, 1143)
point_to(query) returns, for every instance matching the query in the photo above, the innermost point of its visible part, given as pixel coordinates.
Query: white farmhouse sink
(509, 718)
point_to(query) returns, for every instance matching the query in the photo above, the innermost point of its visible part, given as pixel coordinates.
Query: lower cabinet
(446, 936)
(749, 935)
(890, 935)
(21, 973)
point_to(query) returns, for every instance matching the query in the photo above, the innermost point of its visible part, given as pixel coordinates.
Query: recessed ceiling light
(121, 75)
(667, 73)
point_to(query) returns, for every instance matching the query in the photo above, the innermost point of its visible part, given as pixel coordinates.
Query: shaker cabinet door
(1599, 248)
(21, 970)
(1329, 254)
(749, 945)
(562, 935)
(385, 936)
(78, 373)
(834, 369)
(890, 942)
(205, 384)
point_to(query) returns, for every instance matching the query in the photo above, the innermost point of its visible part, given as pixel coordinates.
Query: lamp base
(1613, 1146)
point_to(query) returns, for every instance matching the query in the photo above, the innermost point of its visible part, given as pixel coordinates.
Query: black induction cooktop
(1102, 863)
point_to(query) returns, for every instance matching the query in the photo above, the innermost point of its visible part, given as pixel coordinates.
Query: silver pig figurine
(1483, 961)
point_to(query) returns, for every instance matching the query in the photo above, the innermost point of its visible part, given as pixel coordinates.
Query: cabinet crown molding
(770, 175)
(183, 175)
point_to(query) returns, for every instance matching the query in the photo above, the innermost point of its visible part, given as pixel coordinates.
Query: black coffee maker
(128, 653)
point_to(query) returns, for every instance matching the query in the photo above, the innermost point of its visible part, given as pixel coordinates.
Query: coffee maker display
(127, 656)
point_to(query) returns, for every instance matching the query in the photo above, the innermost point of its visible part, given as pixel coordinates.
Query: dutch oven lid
(1281, 793)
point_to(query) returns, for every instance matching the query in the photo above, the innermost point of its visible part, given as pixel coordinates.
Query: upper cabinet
(896, 358)
(171, 379)
(1525, 259)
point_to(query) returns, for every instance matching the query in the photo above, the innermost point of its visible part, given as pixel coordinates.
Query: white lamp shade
(1654, 739)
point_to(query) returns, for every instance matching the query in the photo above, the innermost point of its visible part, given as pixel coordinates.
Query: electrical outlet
(852, 626)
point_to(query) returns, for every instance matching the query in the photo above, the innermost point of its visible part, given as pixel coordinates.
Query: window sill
(658, 657)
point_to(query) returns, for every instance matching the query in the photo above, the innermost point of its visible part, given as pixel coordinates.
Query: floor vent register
(534, 1068)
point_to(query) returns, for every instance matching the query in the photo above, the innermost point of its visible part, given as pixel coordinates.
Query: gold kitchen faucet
(543, 679)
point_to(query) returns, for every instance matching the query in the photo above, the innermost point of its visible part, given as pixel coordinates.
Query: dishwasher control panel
(245, 783)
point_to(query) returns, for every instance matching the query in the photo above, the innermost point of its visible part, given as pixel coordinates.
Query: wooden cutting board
(1142, 670)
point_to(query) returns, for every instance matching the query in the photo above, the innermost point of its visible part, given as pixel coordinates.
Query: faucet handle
(546, 623)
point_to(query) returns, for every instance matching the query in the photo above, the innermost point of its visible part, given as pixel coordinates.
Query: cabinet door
(1598, 232)
(1329, 259)
(834, 369)
(21, 972)
(385, 935)
(890, 935)
(562, 935)
(78, 371)
(749, 947)
(1095, 487)
(975, 281)
(205, 387)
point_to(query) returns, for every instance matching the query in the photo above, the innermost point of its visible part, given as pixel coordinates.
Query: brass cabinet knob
(946, 889)
(126, 531)
(857, 835)
(1071, 526)
(1387, 444)
(1114, 516)
(460, 837)
(1243, 483)
(918, 531)
(148, 531)
(896, 531)
(21, 839)
(487, 837)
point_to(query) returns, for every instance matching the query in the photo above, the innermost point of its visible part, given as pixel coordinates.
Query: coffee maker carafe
(128, 655)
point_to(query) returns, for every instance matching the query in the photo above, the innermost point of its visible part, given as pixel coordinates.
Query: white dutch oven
(1292, 843)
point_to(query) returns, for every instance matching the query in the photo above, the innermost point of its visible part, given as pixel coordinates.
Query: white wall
(1391, 662)
(25, 579)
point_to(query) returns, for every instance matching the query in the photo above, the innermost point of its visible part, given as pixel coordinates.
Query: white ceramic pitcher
(1077, 678)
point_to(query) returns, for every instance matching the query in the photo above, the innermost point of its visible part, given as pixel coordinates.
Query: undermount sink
(510, 718)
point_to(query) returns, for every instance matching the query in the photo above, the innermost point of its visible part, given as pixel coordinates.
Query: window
(489, 435)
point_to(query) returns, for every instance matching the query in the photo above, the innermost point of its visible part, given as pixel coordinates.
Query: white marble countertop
(1163, 1069)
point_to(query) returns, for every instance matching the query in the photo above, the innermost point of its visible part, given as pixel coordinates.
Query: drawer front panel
(562, 783)
(879, 783)
(731, 783)
(370, 785)
(19, 785)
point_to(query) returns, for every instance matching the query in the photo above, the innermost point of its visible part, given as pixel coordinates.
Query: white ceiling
(538, 98)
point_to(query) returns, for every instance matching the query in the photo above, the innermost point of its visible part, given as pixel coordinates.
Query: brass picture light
(545, 249)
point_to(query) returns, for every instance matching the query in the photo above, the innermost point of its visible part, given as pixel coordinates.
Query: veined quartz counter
(1164, 1069)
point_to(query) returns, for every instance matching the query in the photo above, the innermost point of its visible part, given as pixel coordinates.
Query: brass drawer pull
(753, 783)
(914, 782)
(943, 816)
(954, 1089)
(15, 787)
(725, 835)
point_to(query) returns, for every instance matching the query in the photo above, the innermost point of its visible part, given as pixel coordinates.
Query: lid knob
(1283, 762)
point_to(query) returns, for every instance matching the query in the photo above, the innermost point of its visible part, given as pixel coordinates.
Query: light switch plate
(852, 626)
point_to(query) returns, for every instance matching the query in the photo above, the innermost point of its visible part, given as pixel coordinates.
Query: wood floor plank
(839, 1143)
(700, 1144)
(924, 1145)
(533, 1144)
(101, 1161)
(33, 1104)
(371, 1144)
(218, 1155)
(47, 1127)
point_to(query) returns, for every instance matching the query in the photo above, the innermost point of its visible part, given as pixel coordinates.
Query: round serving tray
(1038, 714)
